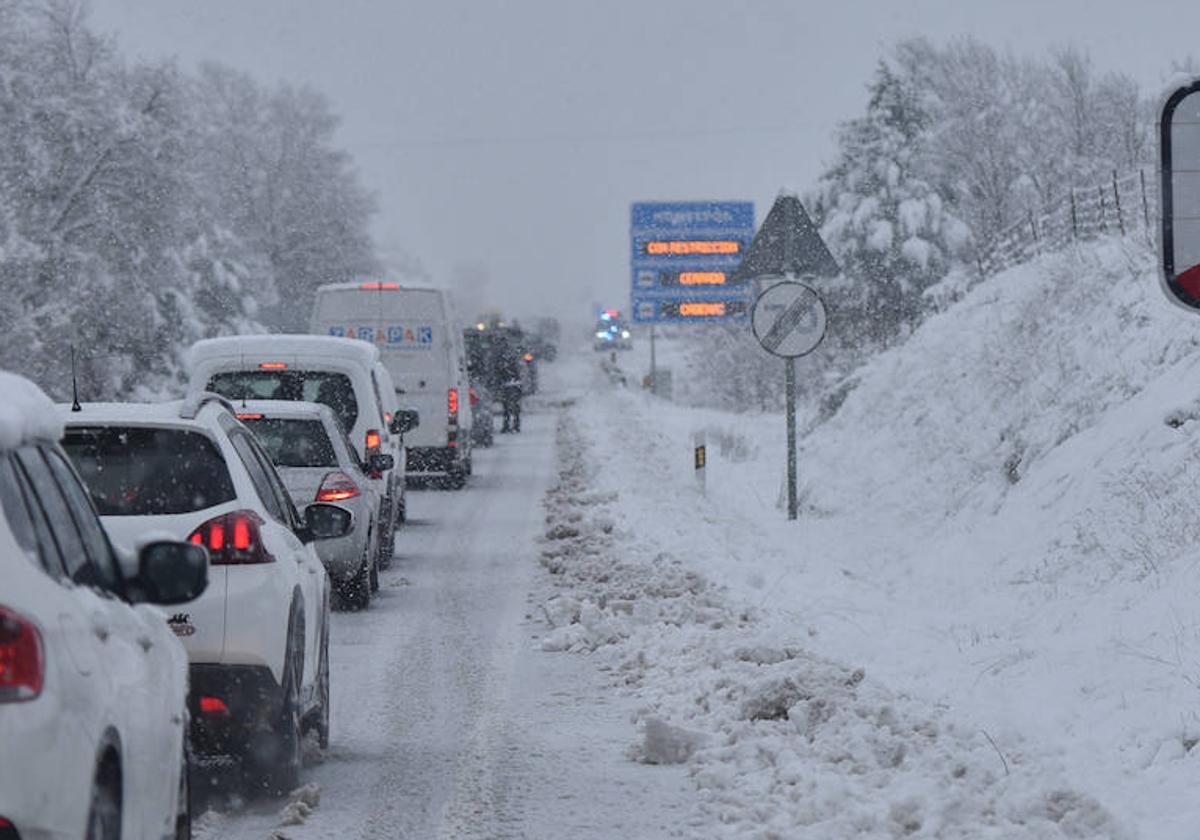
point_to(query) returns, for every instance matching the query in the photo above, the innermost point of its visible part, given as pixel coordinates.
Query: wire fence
(1121, 206)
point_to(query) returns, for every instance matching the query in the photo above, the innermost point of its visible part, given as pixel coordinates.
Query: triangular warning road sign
(787, 243)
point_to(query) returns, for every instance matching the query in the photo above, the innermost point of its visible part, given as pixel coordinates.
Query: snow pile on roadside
(780, 742)
(956, 417)
(1001, 520)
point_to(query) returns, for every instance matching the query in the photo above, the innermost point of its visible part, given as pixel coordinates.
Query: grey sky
(516, 134)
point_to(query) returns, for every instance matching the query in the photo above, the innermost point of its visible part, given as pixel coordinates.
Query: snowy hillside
(1000, 520)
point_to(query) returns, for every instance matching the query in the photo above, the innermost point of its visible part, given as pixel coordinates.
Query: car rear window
(134, 471)
(293, 443)
(332, 389)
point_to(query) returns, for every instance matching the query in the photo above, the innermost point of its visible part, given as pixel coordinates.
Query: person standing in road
(509, 375)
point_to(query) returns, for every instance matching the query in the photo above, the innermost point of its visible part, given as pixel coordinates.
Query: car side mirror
(326, 522)
(171, 573)
(380, 462)
(405, 420)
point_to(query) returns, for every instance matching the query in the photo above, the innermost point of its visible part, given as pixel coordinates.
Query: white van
(344, 375)
(422, 347)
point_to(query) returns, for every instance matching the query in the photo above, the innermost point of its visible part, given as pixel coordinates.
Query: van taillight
(233, 539)
(452, 404)
(22, 662)
(336, 487)
(374, 440)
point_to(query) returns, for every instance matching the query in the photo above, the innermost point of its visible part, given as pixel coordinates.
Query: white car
(338, 372)
(258, 639)
(318, 464)
(93, 691)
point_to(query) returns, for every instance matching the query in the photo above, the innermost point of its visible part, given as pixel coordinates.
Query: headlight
(601, 334)
(624, 333)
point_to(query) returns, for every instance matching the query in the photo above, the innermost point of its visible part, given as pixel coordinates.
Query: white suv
(258, 639)
(93, 691)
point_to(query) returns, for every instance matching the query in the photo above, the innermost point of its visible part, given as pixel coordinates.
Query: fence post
(1117, 202)
(1033, 230)
(1103, 209)
(1074, 217)
(1145, 203)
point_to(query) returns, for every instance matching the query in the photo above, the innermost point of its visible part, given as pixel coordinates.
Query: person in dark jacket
(508, 374)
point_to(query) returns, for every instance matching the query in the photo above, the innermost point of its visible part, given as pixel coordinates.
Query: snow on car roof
(256, 347)
(132, 413)
(26, 413)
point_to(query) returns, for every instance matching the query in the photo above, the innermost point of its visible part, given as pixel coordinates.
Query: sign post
(700, 459)
(788, 318)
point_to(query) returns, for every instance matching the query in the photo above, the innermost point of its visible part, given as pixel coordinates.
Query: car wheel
(322, 725)
(356, 592)
(456, 479)
(104, 814)
(274, 762)
(183, 804)
(374, 579)
(387, 544)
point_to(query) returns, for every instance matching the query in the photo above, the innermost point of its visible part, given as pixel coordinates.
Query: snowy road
(447, 722)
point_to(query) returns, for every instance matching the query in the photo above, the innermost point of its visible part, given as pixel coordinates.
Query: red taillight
(233, 539)
(473, 395)
(241, 534)
(22, 663)
(378, 286)
(273, 366)
(249, 417)
(213, 707)
(337, 487)
(528, 357)
(374, 440)
(452, 403)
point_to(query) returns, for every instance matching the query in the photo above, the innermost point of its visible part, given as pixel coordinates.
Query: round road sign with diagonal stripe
(789, 319)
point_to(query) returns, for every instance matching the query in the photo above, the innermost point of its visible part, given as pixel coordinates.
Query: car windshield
(327, 388)
(293, 442)
(136, 471)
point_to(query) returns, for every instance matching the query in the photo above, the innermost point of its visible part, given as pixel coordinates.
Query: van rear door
(410, 328)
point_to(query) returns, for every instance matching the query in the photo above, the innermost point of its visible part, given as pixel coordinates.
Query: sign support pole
(790, 388)
(653, 364)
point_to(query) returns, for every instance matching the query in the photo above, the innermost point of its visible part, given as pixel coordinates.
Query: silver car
(318, 464)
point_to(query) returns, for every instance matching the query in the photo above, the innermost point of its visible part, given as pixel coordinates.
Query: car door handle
(146, 643)
(101, 629)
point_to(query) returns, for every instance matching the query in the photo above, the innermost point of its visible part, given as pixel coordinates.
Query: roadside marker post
(700, 461)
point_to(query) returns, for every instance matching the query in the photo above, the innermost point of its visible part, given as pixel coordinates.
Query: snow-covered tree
(127, 231)
(891, 229)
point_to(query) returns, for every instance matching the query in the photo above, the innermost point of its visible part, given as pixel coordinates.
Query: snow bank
(779, 741)
(26, 413)
(1000, 521)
